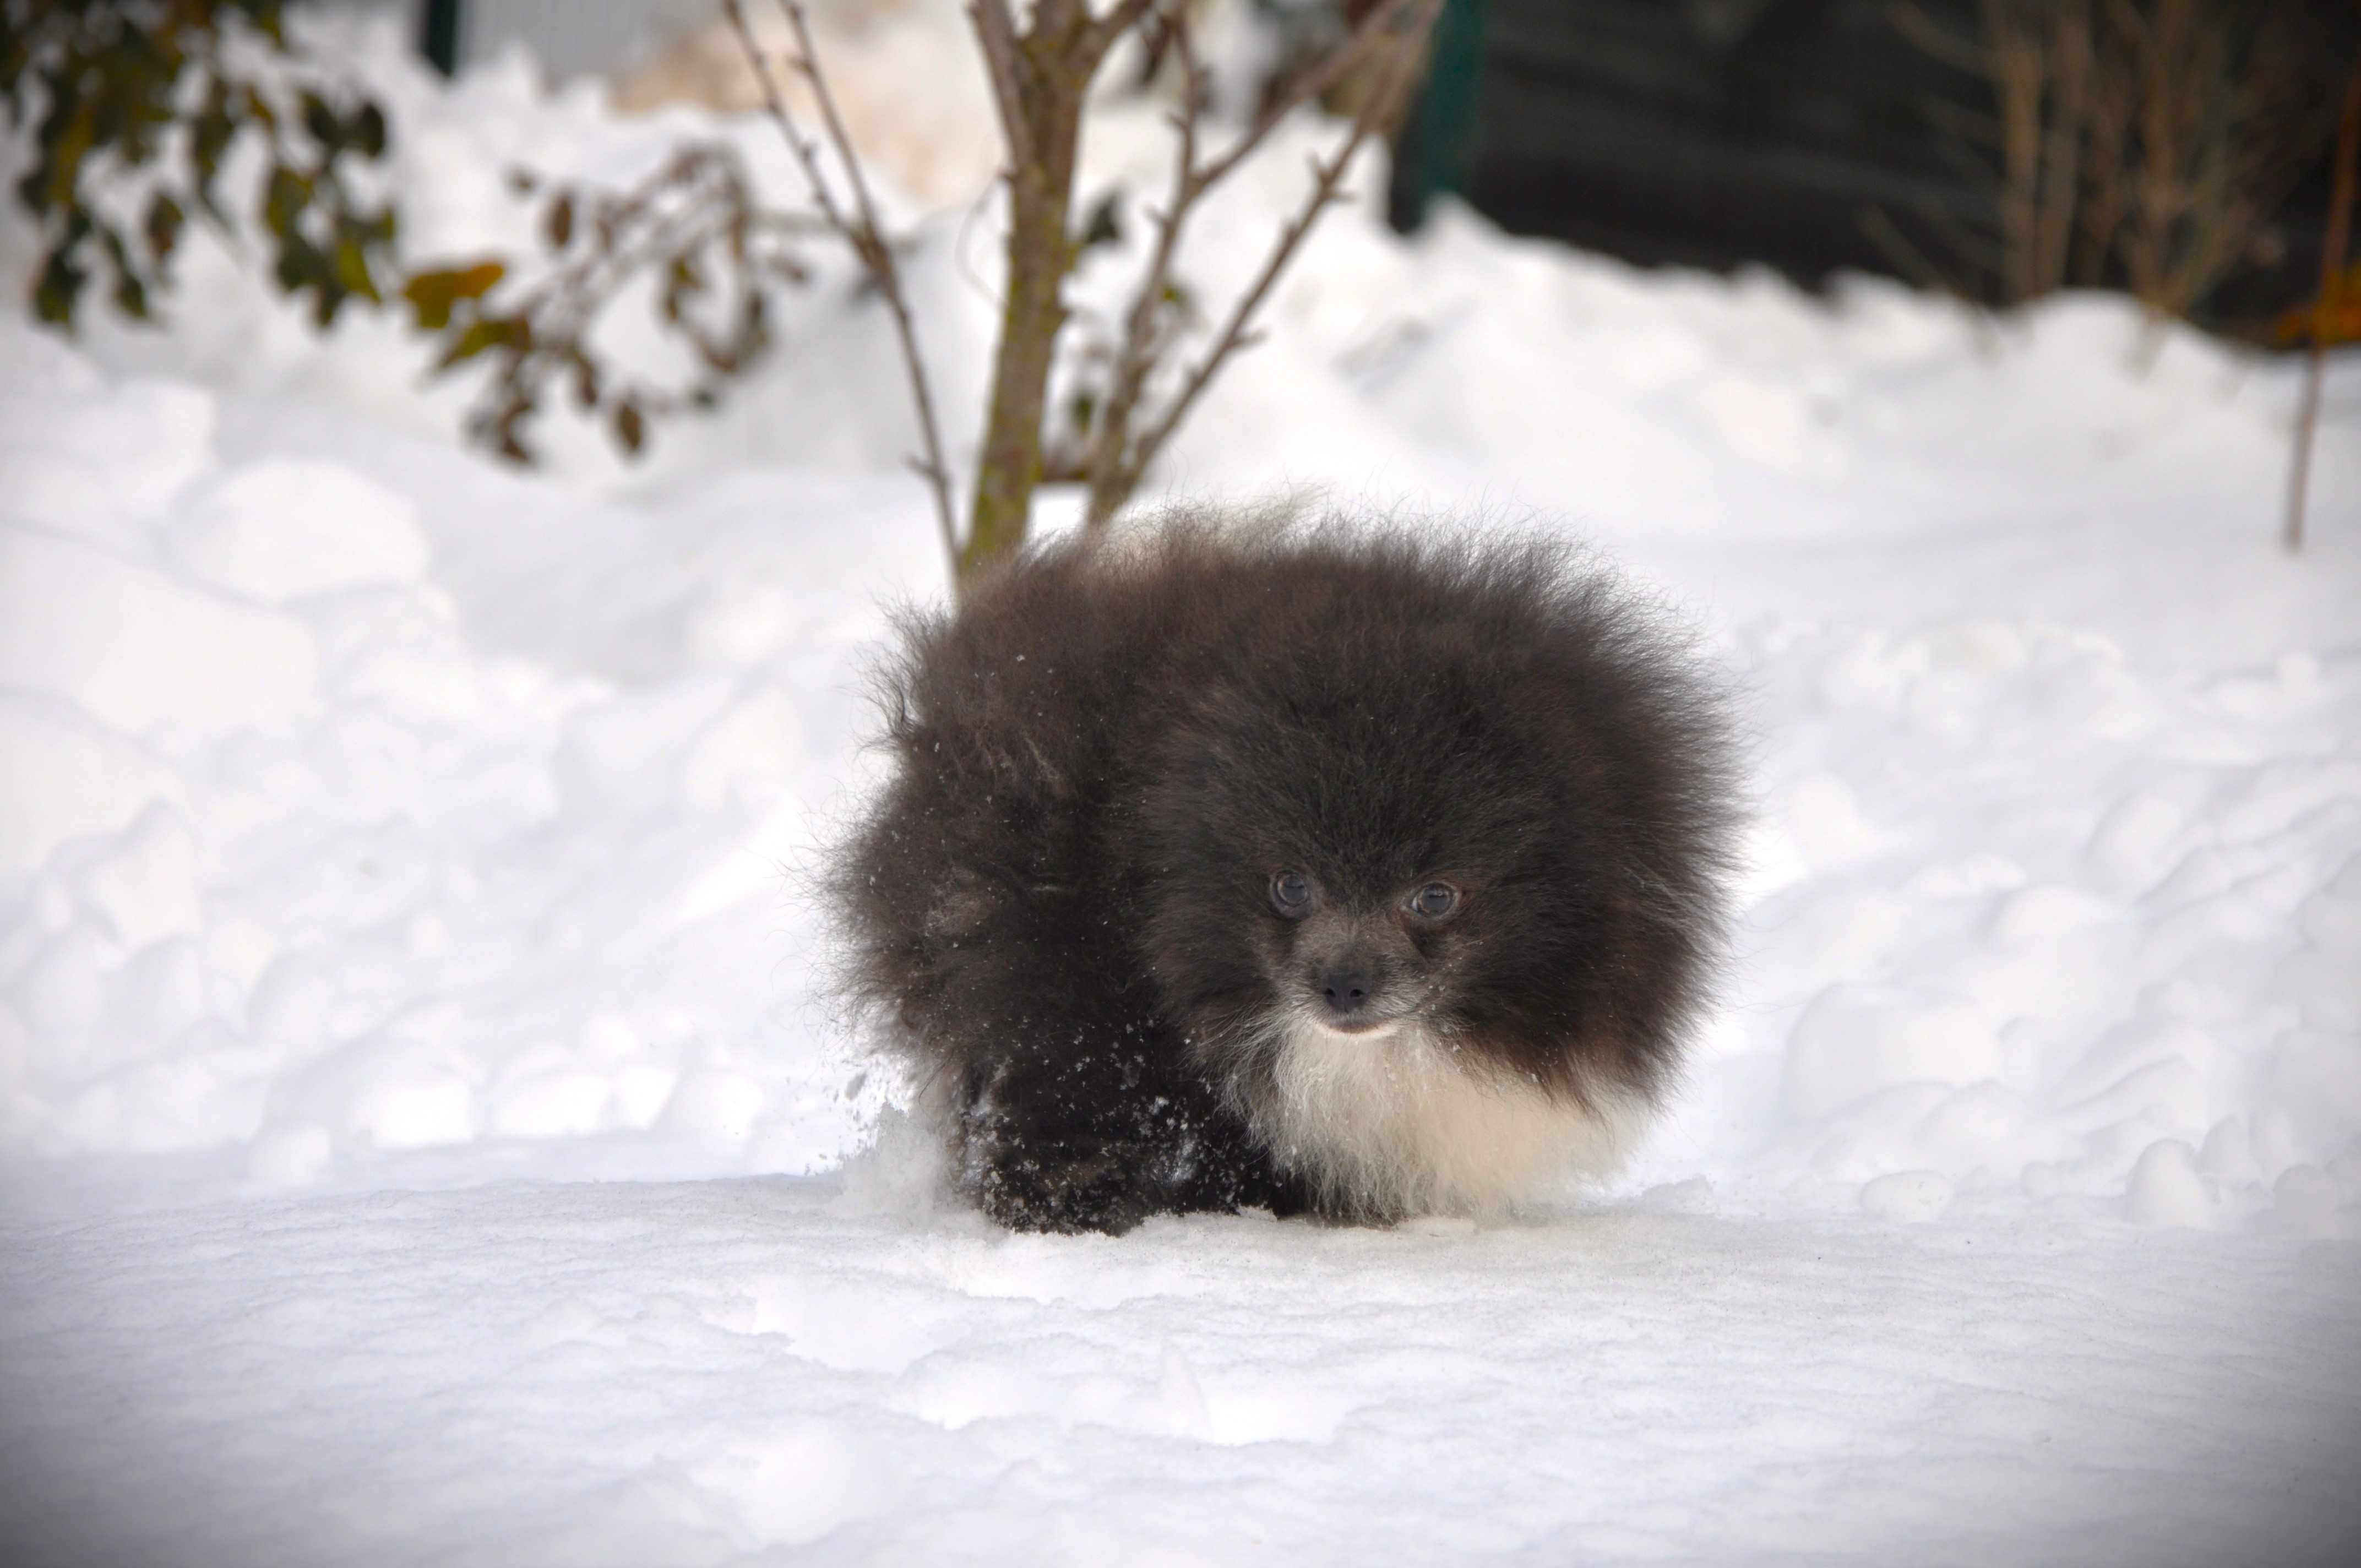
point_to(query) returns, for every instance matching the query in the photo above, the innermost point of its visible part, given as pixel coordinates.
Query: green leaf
(432, 295)
(209, 138)
(283, 201)
(586, 380)
(300, 265)
(71, 139)
(512, 333)
(351, 266)
(58, 289)
(164, 222)
(130, 291)
(320, 122)
(366, 132)
(1105, 226)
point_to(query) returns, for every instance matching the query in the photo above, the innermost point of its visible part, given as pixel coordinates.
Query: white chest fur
(1402, 1123)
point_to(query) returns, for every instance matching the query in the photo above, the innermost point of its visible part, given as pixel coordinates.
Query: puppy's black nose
(1345, 989)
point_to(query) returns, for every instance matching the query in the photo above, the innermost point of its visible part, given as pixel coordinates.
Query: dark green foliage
(151, 96)
(137, 106)
(691, 233)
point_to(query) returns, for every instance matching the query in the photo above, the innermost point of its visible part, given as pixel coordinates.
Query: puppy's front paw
(1067, 1185)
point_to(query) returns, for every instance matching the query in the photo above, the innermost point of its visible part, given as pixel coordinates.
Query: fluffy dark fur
(1309, 869)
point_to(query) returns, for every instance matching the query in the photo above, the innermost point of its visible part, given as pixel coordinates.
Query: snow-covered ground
(427, 1137)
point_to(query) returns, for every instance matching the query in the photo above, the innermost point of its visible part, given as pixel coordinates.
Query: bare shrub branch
(860, 229)
(1120, 19)
(1382, 19)
(1117, 458)
(997, 31)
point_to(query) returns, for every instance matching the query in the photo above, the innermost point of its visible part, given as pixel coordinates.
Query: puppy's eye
(1434, 901)
(1291, 893)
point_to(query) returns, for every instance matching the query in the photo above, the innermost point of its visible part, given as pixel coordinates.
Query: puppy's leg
(1098, 1140)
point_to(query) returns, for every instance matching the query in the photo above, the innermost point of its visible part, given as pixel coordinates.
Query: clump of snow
(2166, 1188)
(429, 1136)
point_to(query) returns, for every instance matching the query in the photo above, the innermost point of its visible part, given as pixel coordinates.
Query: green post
(438, 35)
(1431, 153)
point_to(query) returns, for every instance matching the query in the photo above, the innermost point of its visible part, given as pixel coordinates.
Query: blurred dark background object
(1995, 149)
(438, 34)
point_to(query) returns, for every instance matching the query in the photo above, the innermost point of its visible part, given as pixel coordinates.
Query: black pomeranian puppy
(1312, 869)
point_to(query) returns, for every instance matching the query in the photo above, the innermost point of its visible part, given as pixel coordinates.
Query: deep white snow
(427, 1137)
